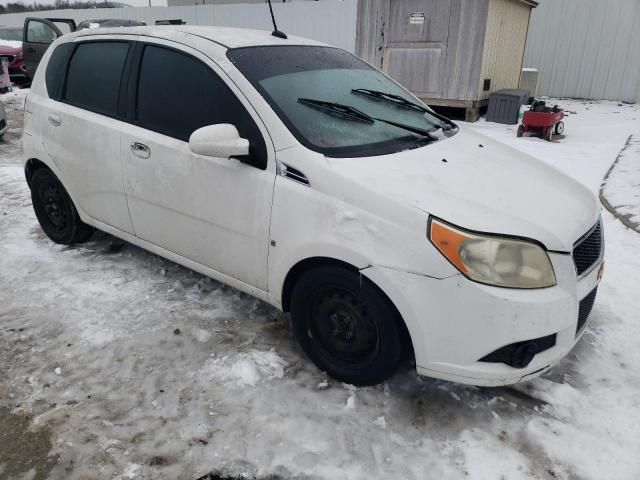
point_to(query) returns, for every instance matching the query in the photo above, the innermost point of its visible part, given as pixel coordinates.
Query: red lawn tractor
(544, 121)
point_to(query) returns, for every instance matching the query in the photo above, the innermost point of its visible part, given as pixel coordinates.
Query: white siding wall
(329, 21)
(586, 48)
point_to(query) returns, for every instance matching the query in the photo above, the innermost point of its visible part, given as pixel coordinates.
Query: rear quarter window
(94, 76)
(57, 69)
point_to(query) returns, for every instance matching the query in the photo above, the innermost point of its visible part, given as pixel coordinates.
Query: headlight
(493, 260)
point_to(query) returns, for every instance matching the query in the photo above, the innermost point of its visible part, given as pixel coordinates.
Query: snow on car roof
(225, 36)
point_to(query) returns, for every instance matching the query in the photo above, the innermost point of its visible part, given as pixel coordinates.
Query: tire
(55, 211)
(559, 128)
(548, 134)
(346, 326)
(520, 131)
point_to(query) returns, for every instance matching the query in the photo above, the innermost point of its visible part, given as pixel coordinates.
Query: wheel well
(304, 266)
(31, 167)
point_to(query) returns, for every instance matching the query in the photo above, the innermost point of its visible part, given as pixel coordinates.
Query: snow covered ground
(126, 366)
(621, 188)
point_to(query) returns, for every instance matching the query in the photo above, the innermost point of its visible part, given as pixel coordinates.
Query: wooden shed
(447, 52)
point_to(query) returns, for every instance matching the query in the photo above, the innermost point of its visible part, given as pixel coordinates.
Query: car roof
(226, 36)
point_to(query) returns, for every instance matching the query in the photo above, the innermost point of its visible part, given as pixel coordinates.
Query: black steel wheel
(55, 211)
(347, 326)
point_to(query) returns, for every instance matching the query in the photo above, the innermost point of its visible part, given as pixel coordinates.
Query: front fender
(307, 223)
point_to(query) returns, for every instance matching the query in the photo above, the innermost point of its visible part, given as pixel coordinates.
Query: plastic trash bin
(504, 106)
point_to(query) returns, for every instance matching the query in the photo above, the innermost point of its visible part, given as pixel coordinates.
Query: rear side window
(57, 68)
(95, 73)
(177, 94)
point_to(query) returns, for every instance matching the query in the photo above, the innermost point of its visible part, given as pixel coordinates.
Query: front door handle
(54, 120)
(140, 150)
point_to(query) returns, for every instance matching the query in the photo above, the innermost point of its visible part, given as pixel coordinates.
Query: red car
(11, 48)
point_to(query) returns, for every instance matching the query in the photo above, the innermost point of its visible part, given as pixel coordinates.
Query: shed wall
(586, 48)
(504, 45)
(467, 26)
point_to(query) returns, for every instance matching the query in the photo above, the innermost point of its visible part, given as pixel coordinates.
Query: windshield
(285, 75)
(11, 34)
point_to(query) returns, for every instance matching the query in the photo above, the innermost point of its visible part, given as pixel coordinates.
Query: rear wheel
(55, 211)
(520, 130)
(559, 128)
(548, 134)
(347, 326)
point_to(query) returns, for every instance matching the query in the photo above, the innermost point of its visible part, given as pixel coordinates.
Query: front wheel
(347, 326)
(55, 211)
(559, 128)
(520, 132)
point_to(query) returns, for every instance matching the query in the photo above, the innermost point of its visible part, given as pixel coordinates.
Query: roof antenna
(276, 32)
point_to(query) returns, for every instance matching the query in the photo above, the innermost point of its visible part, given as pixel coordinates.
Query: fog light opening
(523, 354)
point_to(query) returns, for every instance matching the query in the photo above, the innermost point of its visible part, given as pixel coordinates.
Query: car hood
(10, 47)
(479, 184)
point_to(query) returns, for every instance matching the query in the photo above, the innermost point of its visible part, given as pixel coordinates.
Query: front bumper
(454, 322)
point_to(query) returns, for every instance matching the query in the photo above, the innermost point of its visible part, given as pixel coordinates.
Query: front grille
(586, 304)
(588, 250)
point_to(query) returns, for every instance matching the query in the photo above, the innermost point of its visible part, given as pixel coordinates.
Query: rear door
(84, 122)
(38, 34)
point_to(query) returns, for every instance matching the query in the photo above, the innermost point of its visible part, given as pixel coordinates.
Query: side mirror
(220, 141)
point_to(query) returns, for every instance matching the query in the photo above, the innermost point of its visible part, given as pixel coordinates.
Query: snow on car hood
(479, 184)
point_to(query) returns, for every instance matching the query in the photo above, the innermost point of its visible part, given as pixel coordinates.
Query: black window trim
(132, 94)
(119, 115)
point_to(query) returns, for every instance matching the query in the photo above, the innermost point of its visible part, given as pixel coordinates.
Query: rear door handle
(54, 120)
(140, 150)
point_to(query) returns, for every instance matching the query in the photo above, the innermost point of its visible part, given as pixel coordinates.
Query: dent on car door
(214, 211)
(38, 34)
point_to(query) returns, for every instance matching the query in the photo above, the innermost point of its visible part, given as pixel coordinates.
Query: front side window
(178, 94)
(95, 73)
(40, 32)
(289, 76)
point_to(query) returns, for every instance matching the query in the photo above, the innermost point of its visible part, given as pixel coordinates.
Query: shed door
(416, 44)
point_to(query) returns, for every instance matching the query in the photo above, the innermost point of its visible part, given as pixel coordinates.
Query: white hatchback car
(296, 172)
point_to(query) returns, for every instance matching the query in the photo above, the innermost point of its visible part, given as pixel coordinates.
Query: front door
(38, 34)
(214, 211)
(416, 45)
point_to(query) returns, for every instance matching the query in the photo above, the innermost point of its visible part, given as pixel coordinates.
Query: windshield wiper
(397, 99)
(347, 111)
(403, 102)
